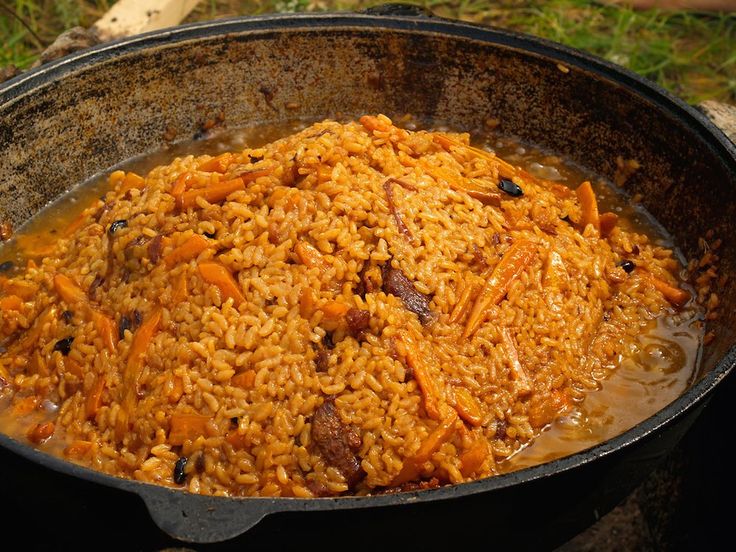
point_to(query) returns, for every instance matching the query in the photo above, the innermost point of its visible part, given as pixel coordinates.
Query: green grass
(691, 54)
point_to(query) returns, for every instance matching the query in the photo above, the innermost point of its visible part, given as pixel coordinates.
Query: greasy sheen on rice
(352, 308)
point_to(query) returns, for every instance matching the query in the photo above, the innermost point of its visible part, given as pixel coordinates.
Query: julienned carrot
(11, 303)
(374, 123)
(213, 194)
(513, 263)
(217, 164)
(455, 181)
(141, 340)
(589, 206)
(94, 399)
(427, 385)
(181, 289)
(607, 223)
(251, 174)
(21, 288)
(188, 250)
(106, 329)
(186, 427)
(216, 274)
(467, 407)
(244, 380)
(470, 290)
(413, 465)
(69, 291)
(678, 297)
(77, 449)
(132, 180)
(521, 379)
(310, 256)
(180, 186)
(472, 459)
(506, 170)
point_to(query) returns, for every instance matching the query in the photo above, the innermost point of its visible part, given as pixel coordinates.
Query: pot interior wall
(139, 100)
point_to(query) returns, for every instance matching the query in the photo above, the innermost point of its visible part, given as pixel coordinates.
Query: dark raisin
(234, 422)
(137, 318)
(67, 316)
(123, 325)
(97, 282)
(64, 345)
(7, 265)
(628, 266)
(255, 158)
(501, 426)
(155, 247)
(179, 475)
(211, 235)
(117, 225)
(511, 188)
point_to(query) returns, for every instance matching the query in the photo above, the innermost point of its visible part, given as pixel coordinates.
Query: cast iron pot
(62, 123)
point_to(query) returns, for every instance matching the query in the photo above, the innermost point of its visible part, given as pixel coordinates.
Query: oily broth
(659, 367)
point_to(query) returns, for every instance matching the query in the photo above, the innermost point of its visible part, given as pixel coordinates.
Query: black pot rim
(697, 394)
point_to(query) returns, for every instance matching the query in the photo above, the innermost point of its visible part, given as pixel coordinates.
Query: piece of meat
(358, 321)
(337, 442)
(396, 283)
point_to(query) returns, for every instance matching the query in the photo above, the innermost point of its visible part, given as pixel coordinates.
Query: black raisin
(327, 341)
(137, 318)
(7, 265)
(234, 422)
(211, 235)
(64, 345)
(255, 158)
(67, 316)
(511, 188)
(628, 266)
(179, 475)
(117, 225)
(123, 325)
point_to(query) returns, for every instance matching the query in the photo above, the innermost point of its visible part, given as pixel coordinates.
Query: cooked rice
(571, 313)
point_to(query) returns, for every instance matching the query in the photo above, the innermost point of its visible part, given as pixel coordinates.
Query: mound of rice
(351, 309)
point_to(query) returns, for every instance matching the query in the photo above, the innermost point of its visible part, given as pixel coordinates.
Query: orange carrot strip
(467, 407)
(216, 274)
(93, 401)
(187, 251)
(334, 310)
(141, 340)
(246, 379)
(470, 290)
(413, 465)
(427, 385)
(374, 123)
(236, 440)
(678, 297)
(77, 449)
(24, 405)
(589, 205)
(310, 256)
(180, 289)
(513, 263)
(186, 427)
(106, 329)
(607, 223)
(131, 181)
(11, 303)
(213, 194)
(252, 174)
(520, 376)
(69, 291)
(217, 164)
(472, 459)
(506, 170)
(180, 186)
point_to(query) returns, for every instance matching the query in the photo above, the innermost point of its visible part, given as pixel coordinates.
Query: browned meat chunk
(358, 321)
(410, 486)
(337, 442)
(396, 283)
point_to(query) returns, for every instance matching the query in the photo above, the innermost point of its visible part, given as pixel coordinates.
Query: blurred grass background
(692, 54)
